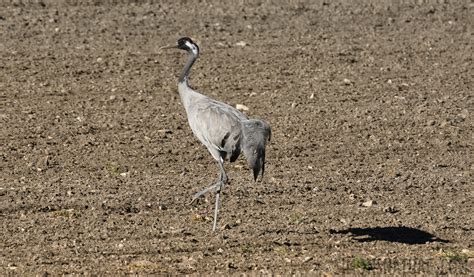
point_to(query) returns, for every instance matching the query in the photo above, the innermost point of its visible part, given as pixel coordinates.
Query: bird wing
(218, 126)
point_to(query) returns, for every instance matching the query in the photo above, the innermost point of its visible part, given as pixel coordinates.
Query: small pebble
(241, 107)
(241, 44)
(165, 131)
(368, 203)
(464, 114)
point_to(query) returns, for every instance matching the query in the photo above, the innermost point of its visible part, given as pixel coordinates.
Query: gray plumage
(224, 130)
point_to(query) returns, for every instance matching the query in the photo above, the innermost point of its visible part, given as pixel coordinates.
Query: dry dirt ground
(369, 168)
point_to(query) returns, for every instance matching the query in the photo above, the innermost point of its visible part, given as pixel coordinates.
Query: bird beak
(168, 47)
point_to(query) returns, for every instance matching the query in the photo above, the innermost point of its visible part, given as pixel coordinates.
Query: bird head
(187, 44)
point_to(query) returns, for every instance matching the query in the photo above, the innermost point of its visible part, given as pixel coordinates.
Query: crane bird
(224, 130)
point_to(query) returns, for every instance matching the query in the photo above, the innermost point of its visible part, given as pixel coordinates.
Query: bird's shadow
(406, 235)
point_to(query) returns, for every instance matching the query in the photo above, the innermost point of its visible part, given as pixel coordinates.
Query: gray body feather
(226, 131)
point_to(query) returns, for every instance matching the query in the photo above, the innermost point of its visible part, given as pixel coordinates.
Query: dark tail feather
(256, 134)
(258, 166)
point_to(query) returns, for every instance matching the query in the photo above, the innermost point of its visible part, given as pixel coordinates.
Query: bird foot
(217, 186)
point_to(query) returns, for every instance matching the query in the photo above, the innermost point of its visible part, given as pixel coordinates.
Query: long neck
(183, 78)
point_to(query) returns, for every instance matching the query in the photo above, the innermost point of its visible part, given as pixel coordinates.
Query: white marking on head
(192, 47)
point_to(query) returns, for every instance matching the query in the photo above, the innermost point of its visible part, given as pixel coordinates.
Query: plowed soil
(369, 169)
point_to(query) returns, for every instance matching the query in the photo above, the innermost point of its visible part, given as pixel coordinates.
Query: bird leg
(204, 191)
(218, 185)
(216, 210)
(221, 183)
